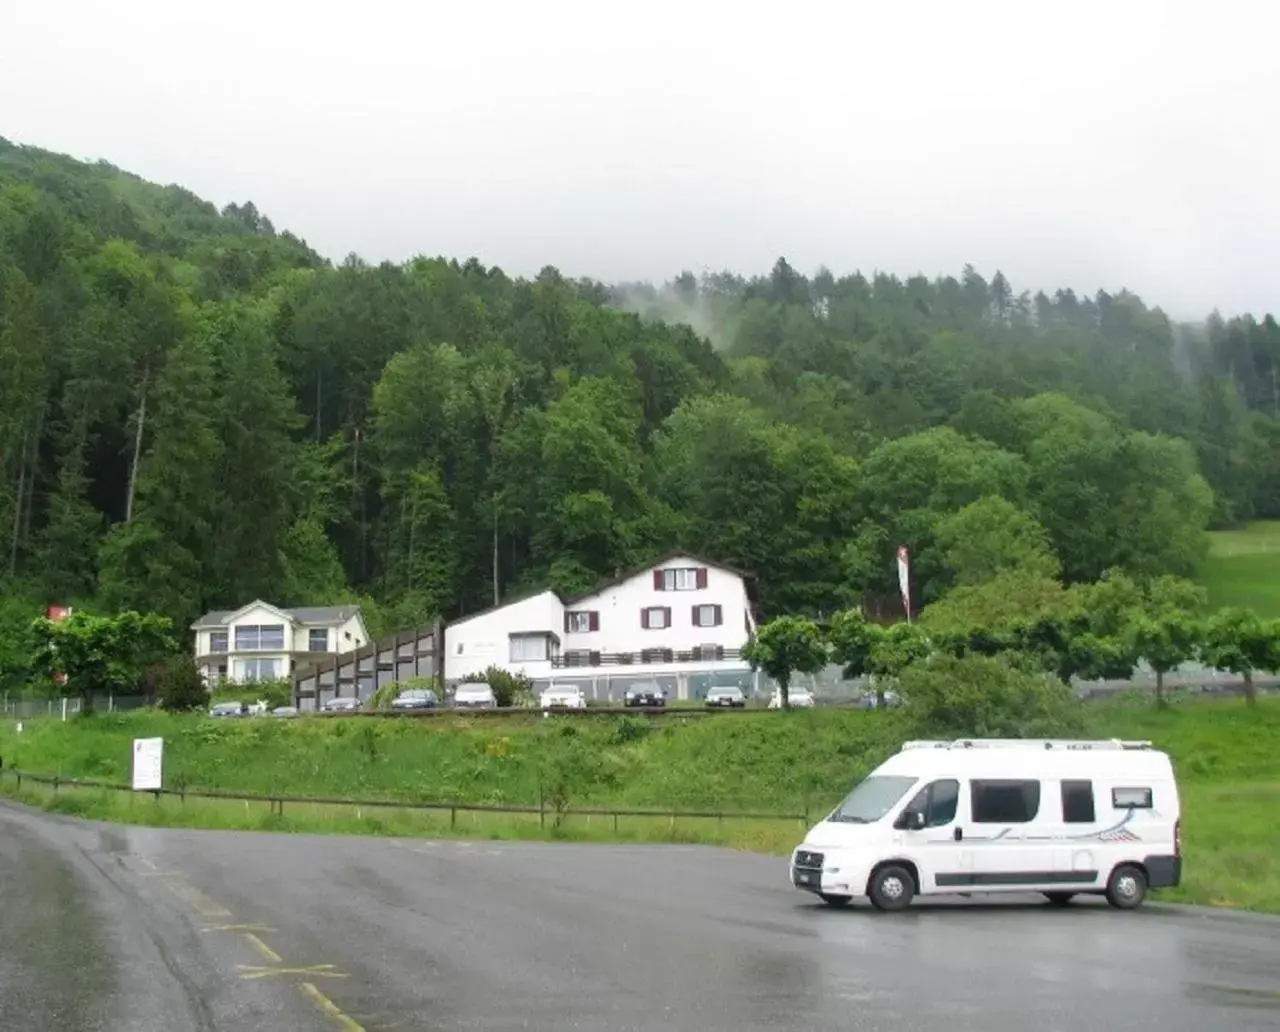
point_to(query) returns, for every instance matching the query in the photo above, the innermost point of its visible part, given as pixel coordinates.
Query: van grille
(807, 859)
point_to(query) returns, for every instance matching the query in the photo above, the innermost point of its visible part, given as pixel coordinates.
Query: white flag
(904, 579)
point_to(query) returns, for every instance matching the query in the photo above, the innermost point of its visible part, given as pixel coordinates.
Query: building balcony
(576, 659)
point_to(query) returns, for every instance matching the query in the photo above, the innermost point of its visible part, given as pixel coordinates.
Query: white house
(261, 642)
(679, 621)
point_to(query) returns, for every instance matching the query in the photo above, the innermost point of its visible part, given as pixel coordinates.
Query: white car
(1060, 818)
(474, 695)
(725, 695)
(800, 698)
(563, 696)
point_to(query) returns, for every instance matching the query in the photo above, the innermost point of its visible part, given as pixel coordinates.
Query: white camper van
(1061, 818)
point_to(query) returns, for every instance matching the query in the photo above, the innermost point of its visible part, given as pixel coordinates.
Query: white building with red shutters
(681, 621)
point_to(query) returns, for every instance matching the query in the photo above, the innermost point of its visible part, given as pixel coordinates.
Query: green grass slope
(1243, 568)
(1225, 754)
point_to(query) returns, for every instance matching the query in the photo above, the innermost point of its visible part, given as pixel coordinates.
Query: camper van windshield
(872, 799)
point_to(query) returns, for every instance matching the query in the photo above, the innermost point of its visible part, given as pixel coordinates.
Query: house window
(581, 621)
(260, 638)
(318, 640)
(707, 616)
(217, 641)
(581, 657)
(656, 656)
(655, 618)
(708, 652)
(687, 578)
(1004, 802)
(258, 670)
(528, 648)
(1131, 798)
(1077, 802)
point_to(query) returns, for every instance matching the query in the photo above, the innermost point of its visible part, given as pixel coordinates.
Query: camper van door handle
(959, 834)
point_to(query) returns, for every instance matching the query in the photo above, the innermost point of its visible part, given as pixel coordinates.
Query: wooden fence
(362, 671)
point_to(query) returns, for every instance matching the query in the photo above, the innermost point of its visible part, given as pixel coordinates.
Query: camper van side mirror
(910, 820)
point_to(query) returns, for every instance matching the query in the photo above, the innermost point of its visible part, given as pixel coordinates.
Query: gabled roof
(516, 599)
(318, 615)
(678, 553)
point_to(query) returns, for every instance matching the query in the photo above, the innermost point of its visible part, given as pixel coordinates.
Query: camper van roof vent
(1027, 743)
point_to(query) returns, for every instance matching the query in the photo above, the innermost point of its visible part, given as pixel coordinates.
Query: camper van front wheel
(1127, 887)
(892, 888)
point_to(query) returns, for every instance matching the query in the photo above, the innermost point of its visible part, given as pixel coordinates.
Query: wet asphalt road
(119, 928)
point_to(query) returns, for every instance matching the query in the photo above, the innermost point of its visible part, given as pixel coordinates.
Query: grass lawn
(1226, 756)
(1243, 568)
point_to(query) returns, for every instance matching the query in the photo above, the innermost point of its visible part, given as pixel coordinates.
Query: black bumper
(1163, 872)
(807, 878)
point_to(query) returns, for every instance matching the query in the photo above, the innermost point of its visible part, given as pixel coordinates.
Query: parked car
(800, 698)
(415, 698)
(563, 696)
(228, 709)
(644, 693)
(344, 704)
(474, 695)
(726, 695)
(285, 711)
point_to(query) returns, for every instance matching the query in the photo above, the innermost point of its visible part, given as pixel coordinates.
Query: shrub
(180, 686)
(987, 697)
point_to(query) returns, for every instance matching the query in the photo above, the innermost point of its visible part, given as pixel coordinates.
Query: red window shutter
(566, 621)
(696, 621)
(719, 615)
(595, 658)
(658, 582)
(644, 619)
(667, 609)
(594, 620)
(701, 576)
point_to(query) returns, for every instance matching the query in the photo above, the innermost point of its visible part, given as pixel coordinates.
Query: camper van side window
(1131, 798)
(1077, 802)
(1004, 802)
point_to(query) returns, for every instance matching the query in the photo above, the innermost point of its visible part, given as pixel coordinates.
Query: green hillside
(802, 761)
(1243, 568)
(198, 410)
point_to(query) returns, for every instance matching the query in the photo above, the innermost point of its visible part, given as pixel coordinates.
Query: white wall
(483, 640)
(620, 606)
(337, 636)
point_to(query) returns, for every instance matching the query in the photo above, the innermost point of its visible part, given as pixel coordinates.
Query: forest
(197, 409)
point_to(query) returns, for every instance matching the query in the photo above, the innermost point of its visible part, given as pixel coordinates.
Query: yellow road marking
(202, 903)
(237, 928)
(249, 971)
(262, 947)
(344, 1020)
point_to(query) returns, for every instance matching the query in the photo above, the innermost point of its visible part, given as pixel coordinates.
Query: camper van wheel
(1060, 899)
(1127, 887)
(892, 888)
(834, 900)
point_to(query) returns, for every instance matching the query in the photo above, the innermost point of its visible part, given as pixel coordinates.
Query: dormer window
(683, 578)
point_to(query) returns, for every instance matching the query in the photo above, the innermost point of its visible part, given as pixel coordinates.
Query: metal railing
(545, 808)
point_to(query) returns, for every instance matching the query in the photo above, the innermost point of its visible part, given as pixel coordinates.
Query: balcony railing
(645, 657)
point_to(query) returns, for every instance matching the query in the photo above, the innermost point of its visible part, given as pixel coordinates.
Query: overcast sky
(1088, 144)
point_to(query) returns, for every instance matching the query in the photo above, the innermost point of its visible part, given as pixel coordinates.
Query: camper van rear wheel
(834, 899)
(891, 888)
(1127, 887)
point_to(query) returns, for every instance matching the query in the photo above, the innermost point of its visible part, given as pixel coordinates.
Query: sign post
(148, 764)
